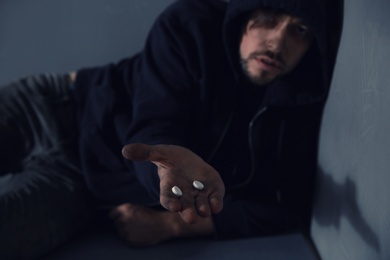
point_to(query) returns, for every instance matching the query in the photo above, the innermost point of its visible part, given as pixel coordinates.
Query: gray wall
(352, 214)
(58, 36)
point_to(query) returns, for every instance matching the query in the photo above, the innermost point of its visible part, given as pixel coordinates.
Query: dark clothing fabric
(186, 88)
(43, 198)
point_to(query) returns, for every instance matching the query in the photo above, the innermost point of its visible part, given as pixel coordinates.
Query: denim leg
(42, 193)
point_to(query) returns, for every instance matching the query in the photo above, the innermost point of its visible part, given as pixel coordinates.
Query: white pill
(198, 185)
(177, 191)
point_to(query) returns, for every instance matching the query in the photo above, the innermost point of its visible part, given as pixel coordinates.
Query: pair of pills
(197, 185)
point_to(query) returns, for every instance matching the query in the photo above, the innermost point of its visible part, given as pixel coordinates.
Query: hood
(308, 82)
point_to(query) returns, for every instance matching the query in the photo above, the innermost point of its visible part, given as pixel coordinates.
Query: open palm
(178, 166)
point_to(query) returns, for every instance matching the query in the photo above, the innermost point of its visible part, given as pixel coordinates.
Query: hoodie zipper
(260, 113)
(250, 140)
(220, 140)
(251, 148)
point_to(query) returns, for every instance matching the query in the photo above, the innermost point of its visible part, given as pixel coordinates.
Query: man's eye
(302, 30)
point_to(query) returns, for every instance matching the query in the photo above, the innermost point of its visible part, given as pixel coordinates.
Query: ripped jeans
(43, 198)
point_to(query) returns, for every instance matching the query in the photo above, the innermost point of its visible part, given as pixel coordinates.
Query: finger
(169, 201)
(216, 202)
(167, 198)
(202, 205)
(189, 213)
(121, 211)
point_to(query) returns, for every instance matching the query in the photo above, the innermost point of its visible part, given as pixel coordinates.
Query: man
(228, 95)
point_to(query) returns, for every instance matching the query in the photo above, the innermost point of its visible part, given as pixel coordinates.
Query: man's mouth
(269, 64)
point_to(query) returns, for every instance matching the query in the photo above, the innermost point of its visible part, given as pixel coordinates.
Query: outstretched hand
(178, 166)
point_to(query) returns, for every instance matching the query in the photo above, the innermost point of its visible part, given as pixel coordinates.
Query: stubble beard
(262, 78)
(255, 79)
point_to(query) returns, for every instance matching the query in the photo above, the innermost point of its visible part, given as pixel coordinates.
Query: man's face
(273, 45)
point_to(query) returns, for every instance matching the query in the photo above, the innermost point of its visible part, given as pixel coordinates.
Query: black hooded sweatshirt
(186, 88)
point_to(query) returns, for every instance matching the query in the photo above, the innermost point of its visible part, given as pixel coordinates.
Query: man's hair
(263, 17)
(266, 15)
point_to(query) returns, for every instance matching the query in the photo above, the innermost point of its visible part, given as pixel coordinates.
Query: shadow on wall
(339, 200)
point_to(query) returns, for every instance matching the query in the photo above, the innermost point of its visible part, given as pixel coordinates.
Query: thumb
(137, 152)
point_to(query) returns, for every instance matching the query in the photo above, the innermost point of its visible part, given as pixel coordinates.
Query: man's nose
(277, 40)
